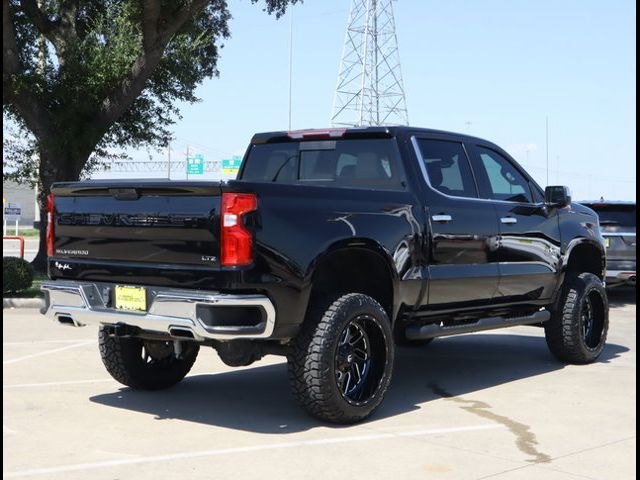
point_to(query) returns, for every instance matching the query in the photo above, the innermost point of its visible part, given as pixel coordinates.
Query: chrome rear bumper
(171, 311)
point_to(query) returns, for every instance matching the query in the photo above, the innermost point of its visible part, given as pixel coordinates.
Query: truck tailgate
(154, 222)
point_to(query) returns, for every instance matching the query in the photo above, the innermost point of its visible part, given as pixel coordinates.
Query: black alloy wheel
(577, 329)
(592, 320)
(340, 364)
(360, 358)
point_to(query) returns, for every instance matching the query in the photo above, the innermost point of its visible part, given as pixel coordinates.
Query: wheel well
(586, 258)
(354, 271)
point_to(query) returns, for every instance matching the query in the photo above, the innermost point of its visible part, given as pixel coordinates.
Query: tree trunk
(51, 170)
(39, 263)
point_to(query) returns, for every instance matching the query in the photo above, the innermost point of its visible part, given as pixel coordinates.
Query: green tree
(81, 77)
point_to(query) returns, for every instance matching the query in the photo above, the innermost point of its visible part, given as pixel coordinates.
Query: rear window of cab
(356, 163)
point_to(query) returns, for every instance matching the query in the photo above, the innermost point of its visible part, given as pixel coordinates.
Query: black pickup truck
(331, 248)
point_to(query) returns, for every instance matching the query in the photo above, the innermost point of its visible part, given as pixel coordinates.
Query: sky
(496, 69)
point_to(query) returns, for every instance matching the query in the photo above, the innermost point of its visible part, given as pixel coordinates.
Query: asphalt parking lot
(488, 405)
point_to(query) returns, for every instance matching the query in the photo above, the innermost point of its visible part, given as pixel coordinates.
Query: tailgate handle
(124, 193)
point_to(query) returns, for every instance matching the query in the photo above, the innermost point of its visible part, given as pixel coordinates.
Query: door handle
(508, 220)
(441, 218)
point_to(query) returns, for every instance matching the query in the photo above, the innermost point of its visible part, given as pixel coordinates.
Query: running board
(432, 330)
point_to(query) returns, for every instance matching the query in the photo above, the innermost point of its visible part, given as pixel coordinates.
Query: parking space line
(37, 342)
(100, 380)
(252, 448)
(48, 352)
(55, 384)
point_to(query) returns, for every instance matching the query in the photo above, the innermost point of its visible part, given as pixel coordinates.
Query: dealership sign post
(11, 212)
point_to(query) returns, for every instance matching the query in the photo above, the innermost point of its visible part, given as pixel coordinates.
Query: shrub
(17, 274)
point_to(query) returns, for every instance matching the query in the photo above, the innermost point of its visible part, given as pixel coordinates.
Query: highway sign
(195, 164)
(231, 165)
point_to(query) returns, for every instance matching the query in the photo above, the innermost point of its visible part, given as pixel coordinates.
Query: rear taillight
(50, 224)
(235, 239)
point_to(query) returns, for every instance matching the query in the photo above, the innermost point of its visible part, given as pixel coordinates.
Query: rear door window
(370, 163)
(447, 167)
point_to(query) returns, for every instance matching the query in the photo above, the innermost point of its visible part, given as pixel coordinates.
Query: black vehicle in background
(618, 226)
(331, 248)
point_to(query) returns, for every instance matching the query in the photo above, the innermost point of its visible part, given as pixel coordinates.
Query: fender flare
(579, 241)
(566, 255)
(357, 243)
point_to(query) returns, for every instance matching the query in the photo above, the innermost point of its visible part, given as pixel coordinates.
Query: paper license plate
(131, 298)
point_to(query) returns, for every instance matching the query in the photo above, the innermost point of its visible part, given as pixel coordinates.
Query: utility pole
(290, 61)
(370, 90)
(169, 160)
(547, 142)
(187, 162)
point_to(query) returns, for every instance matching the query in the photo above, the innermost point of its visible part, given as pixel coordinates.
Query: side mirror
(557, 196)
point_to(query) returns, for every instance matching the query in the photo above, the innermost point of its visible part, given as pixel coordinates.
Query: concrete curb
(22, 303)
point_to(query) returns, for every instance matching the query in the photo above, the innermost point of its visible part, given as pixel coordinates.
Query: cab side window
(503, 181)
(448, 168)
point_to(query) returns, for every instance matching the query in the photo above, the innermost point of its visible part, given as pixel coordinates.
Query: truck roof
(351, 132)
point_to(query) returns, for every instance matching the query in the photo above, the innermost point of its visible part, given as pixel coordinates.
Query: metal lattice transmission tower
(370, 89)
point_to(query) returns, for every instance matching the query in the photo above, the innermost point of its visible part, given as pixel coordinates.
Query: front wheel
(577, 330)
(341, 363)
(145, 364)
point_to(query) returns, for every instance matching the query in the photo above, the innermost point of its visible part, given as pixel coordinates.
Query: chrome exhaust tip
(64, 319)
(181, 332)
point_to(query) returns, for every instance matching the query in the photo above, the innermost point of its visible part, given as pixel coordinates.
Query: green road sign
(231, 165)
(195, 164)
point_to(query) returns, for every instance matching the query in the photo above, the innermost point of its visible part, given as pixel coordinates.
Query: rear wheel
(341, 363)
(577, 330)
(146, 364)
